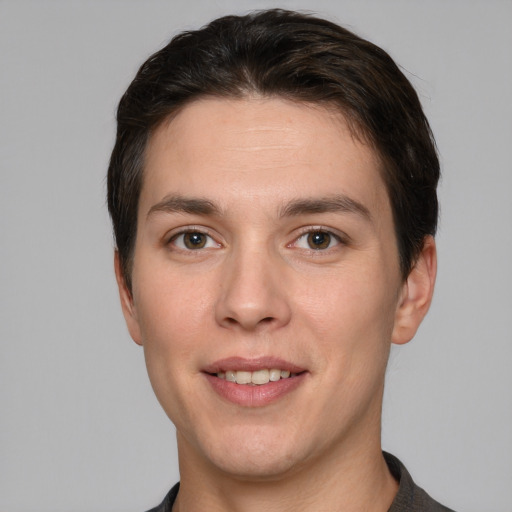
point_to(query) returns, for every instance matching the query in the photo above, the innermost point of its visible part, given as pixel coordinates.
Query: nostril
(247, 323)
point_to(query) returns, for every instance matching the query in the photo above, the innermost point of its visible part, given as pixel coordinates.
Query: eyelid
(183, 230)
(340, 237)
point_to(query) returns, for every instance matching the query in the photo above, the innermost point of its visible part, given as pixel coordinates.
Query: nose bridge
(252, 293)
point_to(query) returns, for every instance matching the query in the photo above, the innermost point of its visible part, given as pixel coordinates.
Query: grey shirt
(409, 498)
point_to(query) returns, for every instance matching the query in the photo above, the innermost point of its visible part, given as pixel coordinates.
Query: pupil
(195, 240)
(319, 240)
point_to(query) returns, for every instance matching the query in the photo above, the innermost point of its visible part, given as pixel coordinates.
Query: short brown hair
(278, 53)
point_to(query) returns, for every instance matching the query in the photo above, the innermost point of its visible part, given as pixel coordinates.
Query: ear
(416, 294)
(127, 305)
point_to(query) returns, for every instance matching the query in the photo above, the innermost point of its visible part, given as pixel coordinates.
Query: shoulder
(166, 505)
(410, 497)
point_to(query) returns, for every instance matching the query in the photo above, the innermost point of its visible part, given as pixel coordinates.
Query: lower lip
(254, 396)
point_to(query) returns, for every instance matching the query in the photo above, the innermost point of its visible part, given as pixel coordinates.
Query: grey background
(80, 429)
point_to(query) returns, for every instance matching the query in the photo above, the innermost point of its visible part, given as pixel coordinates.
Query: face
(266, 285)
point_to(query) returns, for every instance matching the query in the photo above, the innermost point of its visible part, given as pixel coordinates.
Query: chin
(252, 466)
(258, 455)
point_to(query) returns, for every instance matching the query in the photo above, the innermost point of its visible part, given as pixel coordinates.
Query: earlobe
(127, 305)
(416, 295)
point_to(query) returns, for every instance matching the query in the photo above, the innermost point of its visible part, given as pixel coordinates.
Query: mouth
(254, 382)
(256, 378)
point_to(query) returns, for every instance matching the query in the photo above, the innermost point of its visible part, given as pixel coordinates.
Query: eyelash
(189, 231)
(211, 243)
(333, 237)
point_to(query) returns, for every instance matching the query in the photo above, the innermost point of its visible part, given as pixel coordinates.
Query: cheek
(173, 319)
(174, 312)
(353, 315)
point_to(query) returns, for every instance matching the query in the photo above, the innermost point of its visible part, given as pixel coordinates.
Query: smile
(257, 378)
(254, 382)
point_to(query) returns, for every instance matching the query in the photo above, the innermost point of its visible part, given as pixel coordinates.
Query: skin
(257, 288)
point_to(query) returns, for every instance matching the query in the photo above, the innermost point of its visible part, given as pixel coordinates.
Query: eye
(317, 240)
(193, 240)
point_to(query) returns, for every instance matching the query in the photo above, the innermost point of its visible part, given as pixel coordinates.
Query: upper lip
(251, 365)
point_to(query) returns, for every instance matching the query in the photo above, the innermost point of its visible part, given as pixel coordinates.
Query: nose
(253, 292)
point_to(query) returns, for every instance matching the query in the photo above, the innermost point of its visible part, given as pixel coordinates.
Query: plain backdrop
(80, 429)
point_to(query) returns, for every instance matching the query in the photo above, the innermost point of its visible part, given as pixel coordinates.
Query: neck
(348, 479)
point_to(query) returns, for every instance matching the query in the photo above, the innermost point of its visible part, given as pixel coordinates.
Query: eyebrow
(330, 204)
(180, 204)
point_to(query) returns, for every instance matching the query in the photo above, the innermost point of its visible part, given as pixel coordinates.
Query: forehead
(261, 150)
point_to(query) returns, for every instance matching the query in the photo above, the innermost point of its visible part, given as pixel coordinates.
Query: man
(273, 195)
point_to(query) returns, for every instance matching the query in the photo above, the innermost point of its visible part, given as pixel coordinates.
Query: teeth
(275, 375)
(243, 377)
(258, 377)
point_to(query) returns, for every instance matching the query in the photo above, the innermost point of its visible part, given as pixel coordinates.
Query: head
(288, 55)
(272, 190)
